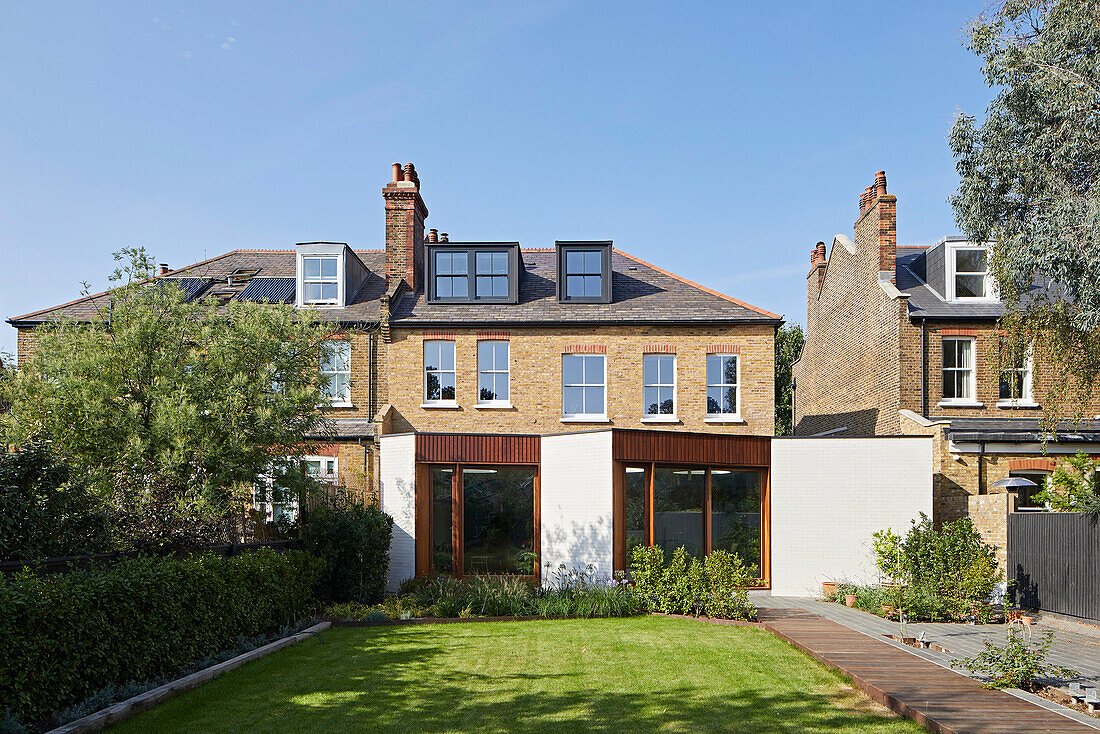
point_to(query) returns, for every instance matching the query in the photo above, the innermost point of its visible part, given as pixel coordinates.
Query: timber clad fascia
(668, 447)
(477, 449)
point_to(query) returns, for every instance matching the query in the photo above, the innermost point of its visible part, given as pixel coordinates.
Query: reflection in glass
(678, 509)
(442, 546)
(634, 501)
(735, 514)
(498, 520)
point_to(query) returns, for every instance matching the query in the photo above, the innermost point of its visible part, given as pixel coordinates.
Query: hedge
(66, 636)
(354, 541)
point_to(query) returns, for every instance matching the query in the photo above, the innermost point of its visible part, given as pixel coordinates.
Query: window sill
(723, 419)
(440, 406)
(493, 406)
(1020, 404)
(660, 419)
(586, 419)
(342, 404)
(959, 404)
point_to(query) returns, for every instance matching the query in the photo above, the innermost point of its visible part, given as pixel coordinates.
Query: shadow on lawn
(398, 689)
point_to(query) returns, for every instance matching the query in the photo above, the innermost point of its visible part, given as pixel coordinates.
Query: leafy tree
(1072, 489)
(788, 345)
(1029, 179)
(169, 407)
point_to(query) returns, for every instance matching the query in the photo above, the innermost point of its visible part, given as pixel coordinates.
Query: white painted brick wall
(397, 469)
(828, 495)
(575, 485)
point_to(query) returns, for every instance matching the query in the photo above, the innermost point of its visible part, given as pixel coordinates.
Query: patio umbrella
(1014, 483)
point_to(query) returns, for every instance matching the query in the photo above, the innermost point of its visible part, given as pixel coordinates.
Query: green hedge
(717, 586)
(66, 636)
(354, 541)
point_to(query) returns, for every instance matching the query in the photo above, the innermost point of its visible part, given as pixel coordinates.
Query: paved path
(1073, 650)
(895, 676)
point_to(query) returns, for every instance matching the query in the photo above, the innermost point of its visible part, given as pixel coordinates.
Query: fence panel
(1054, 557)
(65, 564)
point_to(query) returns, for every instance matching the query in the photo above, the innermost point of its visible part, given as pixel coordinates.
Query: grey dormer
(584, 271)
(329, 274)
(472, 272)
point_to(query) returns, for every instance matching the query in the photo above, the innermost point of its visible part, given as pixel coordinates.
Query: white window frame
(584, 417)
(734, 417)
(955, 402)
(337, 280)
(950, 256)
(507, 372)
(1027, 397)
(327, 462)
(339, 401)
(661, 417)
(440, 402)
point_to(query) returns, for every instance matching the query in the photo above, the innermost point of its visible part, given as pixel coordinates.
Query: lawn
(643, 674)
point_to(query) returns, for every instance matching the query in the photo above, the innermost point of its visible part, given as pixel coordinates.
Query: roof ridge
(703, 288)
(93, 296)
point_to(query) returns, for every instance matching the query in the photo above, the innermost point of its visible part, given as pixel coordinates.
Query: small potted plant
(850, 600)
(828, 589)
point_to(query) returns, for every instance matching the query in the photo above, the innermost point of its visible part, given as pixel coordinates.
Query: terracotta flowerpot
(850, 600)
(828, 589)
(1028, 619)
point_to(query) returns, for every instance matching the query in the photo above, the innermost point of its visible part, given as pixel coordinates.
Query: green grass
(642, 674)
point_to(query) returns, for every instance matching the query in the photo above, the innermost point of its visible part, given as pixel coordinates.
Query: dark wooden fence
(1054, 557)
(64, 564)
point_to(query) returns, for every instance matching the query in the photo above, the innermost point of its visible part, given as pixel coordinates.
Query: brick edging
(143, 701)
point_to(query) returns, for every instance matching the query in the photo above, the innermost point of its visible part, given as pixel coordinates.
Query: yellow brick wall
(25, 342)
(535, 384)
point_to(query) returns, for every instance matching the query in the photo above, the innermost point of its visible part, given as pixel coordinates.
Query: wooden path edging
(938, 699)
(123, 710)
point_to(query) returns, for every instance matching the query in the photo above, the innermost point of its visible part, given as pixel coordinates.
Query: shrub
(1017, 663)
(68, 636)
(46, 513)
(951, 563)
(354, 541)
(716, 587)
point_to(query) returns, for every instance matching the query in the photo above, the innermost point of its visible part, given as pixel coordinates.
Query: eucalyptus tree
(1030, 180)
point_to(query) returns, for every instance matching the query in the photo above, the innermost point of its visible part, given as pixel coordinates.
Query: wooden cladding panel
(452, 448)
(690, 448)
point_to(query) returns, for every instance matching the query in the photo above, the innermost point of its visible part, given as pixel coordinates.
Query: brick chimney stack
(877, 226)
(405, 215)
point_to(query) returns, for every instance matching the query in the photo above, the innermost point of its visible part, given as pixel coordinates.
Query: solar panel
(278, 290)
(191, 287)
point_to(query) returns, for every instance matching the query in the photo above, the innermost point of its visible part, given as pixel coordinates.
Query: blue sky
(719, 140)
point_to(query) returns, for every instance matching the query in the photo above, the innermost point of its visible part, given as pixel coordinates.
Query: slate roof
(1020, 430)
(348, 428)
(924, 301)
(641, 292)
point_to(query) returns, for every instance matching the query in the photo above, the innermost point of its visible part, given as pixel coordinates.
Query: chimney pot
(433, 235)
(410, 175)
(444, 237)
(880, 184)
(164, 269)
(821, 251)
(398, 174)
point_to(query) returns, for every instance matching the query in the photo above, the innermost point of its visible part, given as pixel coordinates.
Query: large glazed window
(442, 478)
(492, 372)
(735, 514)
(583, 389)
(699, 508)
(498, 517)
(336, 367)
(439, 372)
(678, 499)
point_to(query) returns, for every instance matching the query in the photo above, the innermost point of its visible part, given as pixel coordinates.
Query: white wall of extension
(397, 457)
(575, 486)
(828, 495)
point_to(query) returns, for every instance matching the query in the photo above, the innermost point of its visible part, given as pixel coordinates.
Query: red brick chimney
(877, 226)
(405, 215)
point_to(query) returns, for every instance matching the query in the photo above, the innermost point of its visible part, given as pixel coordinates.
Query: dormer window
(320, 281)
(473, 272)
(584, 272)
(969, 273)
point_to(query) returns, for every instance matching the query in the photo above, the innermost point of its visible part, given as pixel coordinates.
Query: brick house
(903, 340)
(491, 397)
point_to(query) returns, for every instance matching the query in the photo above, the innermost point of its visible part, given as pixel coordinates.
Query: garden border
(143, 701)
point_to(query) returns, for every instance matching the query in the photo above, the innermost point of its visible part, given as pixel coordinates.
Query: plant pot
(1028, 619)
(887, 610)
(828, 589)
(850, 600)
(1013, 614)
